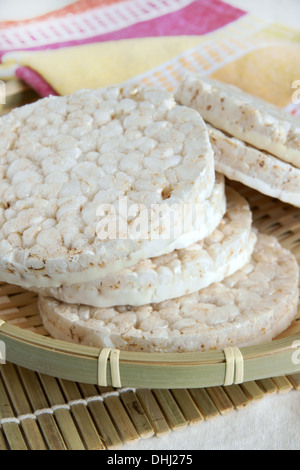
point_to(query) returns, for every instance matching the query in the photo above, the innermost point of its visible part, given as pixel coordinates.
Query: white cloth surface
(21, 10)
(283, 11)
(272, 423)
(286, 11)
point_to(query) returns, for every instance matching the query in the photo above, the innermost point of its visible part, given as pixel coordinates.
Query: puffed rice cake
(209, 214)
(62, 157)
(255, 168)
(250, 307)
(243, 116)
(181, 272)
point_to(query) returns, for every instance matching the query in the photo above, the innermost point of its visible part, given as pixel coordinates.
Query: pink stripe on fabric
(198, 18)
(35, 81)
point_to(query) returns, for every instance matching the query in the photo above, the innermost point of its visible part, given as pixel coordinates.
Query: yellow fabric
(268, 72)
(97, 65)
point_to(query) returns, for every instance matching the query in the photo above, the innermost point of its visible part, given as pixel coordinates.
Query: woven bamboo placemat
(41, 412)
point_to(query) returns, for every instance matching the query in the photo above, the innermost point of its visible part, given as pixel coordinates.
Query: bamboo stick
(137, 414)
(283, 384)
(252, 390)
(295, 380)
(38, 401)
(187, 406)
(3, 443)
(11, 430)
(105, 426)
(63, 417)
(10, 289)
(204, 403)
(121, 419)
(24, 298)
(21, 405)
(220, 399)
(237, 396)
(171, 411)
(85, 424)
(268, 386)
(14, 436)
(153, 412)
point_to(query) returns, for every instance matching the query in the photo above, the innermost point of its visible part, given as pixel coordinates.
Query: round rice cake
(65, 158)
(255, 168)
(243, 116)
(250, 307)
(208, 215)
(175, 274)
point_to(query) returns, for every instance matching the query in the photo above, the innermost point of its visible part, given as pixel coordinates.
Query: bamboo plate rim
(79, 363)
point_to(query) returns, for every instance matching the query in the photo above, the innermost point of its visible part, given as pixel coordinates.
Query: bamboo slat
(39, 401)
(14, 436)
(237, 396)
(137, 414)
(153, 412)
(187, 406)
(283, 384)
(121, 419)
(13, 87)
(82, 417)
(11, 430)
(220, 400)
(252, 390)
(100, 415)
(204, 403)
(63, 416)
(295, 380)
(3, 443)
(171, 411)
(29, 426)
(268, 386)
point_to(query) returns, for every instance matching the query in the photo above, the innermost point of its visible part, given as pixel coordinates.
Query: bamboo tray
(28, 344)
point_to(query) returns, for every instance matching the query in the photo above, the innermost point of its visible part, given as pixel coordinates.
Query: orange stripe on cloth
(74, 8)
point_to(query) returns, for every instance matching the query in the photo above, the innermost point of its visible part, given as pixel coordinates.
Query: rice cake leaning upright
(63, 157)
(251, 306)
(254, 142)
(255, 168)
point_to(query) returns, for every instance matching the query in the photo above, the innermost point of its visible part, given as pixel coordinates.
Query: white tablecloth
(272, 423)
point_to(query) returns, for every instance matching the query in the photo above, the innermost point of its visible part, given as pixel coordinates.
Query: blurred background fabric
(92, 43)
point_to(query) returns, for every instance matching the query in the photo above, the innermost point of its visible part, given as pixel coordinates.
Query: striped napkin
(95, 43)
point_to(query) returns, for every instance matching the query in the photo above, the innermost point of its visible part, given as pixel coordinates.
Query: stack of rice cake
(213, 283)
